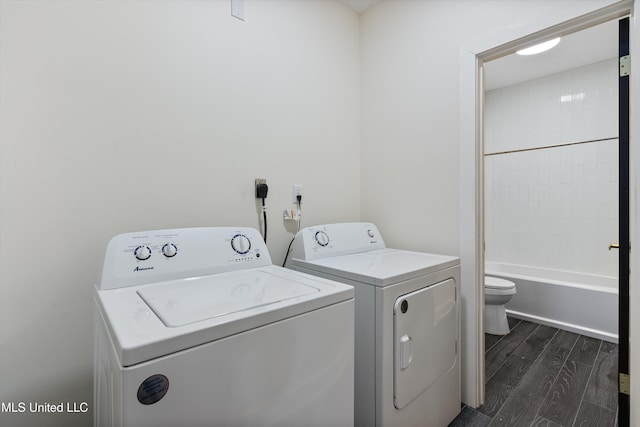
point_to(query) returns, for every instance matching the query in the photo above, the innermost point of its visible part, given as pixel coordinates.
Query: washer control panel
(330, 240)
(160, 255)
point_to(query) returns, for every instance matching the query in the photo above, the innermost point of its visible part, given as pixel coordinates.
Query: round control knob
(370, 233)
(142, 252)
(169, 250)
(322, 238)
(241, 244)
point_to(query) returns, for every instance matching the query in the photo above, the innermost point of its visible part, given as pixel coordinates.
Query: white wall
(410, 113)
(554, 207)
(128, 115)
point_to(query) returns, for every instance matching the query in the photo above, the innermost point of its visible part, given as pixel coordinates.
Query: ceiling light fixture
(539, 48)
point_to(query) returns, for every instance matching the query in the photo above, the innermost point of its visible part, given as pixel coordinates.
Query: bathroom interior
(551, 187)
(551, 217)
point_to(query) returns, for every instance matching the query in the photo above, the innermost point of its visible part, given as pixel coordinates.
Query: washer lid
(149, 321)
(497, 283)
(202, 298)
(380, 267)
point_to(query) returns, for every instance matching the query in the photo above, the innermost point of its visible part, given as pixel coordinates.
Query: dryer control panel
(329, 240)
(155, 256)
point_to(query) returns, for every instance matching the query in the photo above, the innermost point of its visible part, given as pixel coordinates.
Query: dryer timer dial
(322, 238)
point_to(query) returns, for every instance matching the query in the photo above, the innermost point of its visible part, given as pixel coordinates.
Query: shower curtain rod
(549, 146)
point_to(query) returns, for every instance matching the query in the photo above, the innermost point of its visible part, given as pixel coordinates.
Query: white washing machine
(407, 304)
(196, 327)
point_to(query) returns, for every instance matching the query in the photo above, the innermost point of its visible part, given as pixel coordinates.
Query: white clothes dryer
(407, 327)
(196, 327)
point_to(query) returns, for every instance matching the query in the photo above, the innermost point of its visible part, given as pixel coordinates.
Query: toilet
(497, 292)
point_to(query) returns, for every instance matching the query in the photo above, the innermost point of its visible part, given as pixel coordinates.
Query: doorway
(551, 214)
(473, 54)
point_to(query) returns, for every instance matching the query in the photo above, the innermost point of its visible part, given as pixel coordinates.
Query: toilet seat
(498, 284)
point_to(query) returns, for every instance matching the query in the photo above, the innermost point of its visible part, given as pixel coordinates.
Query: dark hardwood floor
(542, 376)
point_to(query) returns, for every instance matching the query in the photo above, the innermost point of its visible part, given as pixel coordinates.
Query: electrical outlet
(297, 191)
(258, 182)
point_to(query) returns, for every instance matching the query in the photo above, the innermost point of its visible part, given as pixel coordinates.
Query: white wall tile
(554, 207)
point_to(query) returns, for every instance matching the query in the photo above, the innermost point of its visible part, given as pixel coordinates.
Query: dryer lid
(497, 283)
(180, 303)
(380, 267)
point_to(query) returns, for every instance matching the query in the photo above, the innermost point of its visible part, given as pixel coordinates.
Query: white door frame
(569, 17)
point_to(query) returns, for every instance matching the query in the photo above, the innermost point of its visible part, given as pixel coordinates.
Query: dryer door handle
(406, 351)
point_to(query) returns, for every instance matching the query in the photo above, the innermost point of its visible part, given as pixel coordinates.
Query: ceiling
(575, 50)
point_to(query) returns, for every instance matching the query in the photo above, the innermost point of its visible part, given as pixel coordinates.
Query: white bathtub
(582, 303)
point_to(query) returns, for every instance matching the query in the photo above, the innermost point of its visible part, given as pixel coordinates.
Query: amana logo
(142, 268)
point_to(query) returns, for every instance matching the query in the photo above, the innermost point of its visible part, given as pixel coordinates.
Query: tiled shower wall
(548, 206)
